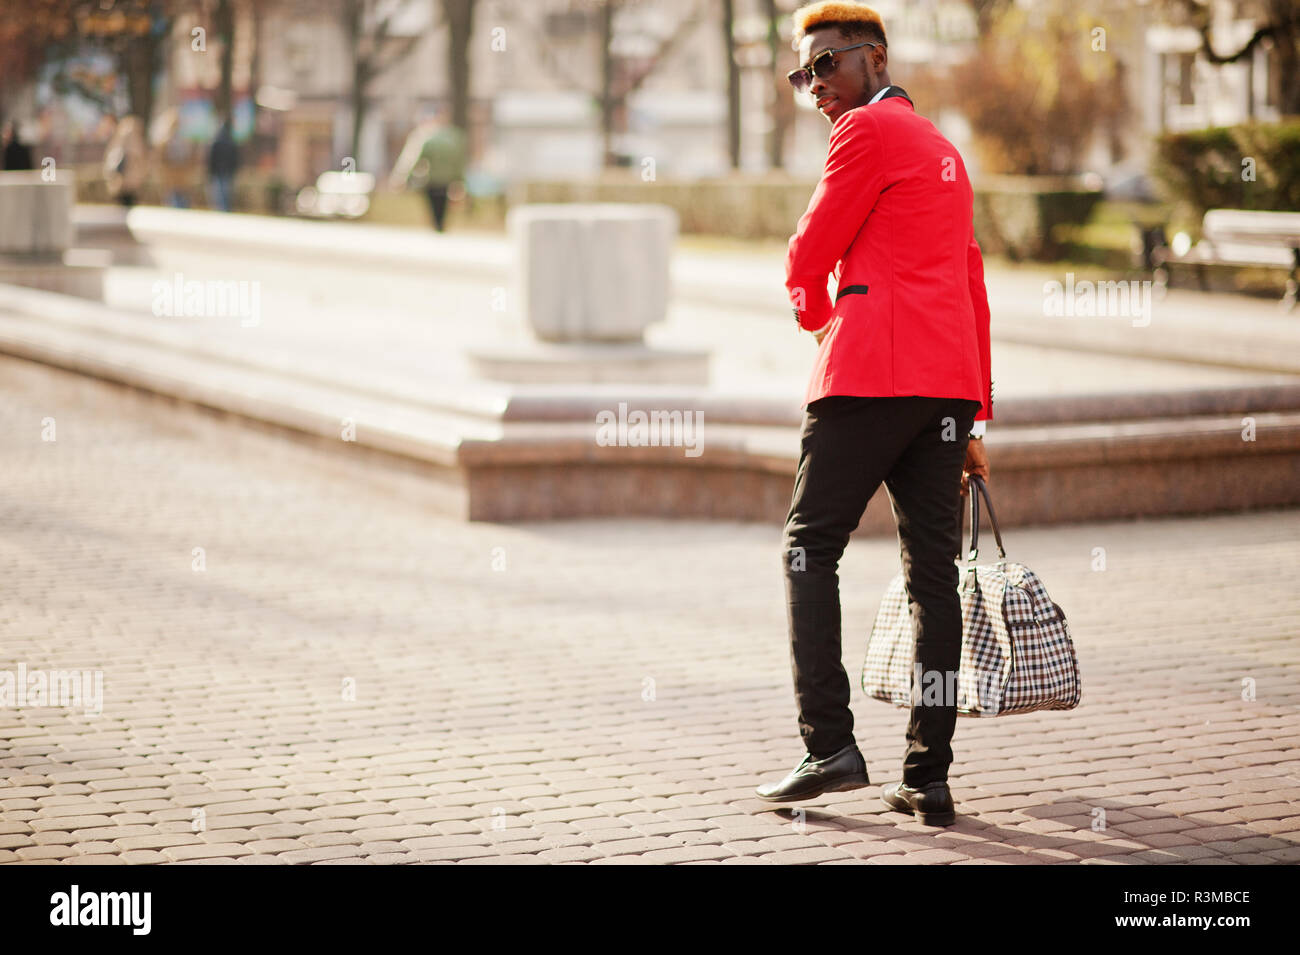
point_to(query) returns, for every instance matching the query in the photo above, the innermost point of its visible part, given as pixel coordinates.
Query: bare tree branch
(666, 47)
(550, 57)
(1200, 16)
(552, 60)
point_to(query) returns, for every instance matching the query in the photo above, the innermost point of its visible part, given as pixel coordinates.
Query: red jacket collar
(894, 94)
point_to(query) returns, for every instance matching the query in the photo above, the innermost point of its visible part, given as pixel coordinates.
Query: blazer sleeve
(850, 185)
(980, 300)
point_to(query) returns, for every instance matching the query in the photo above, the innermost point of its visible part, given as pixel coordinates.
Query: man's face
(854, 80)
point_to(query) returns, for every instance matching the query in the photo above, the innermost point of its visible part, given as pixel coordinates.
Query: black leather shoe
(812, 777)
(931, 804)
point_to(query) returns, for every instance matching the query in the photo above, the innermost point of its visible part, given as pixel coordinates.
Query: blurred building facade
(536, 70)
(536, 66)
(1187, 91)
(535, 83)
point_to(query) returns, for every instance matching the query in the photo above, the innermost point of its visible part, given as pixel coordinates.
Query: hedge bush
(1205, 169)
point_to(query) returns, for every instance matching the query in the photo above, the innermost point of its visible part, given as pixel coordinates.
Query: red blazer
(891, 218)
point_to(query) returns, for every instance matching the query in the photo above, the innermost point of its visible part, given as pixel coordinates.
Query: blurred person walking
(15, 154)
(223, 163)
(126, 161)
(900, 379)
(433, 161)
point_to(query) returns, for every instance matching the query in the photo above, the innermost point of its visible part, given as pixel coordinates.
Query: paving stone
(206, 851)
(453, 853)
(306, 549)
(809, 856)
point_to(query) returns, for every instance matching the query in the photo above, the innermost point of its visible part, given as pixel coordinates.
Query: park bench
(1236, 237)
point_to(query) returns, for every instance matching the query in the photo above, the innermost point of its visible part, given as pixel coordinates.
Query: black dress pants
(916, 446)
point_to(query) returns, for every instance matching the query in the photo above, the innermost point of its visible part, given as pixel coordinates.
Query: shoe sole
(935, 818)
(843, 784)
(925, 818)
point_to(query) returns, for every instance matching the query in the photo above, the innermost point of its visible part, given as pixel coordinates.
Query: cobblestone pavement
(349, 679)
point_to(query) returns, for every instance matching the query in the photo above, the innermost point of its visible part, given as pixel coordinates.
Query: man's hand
(977, 462)
(821, 333)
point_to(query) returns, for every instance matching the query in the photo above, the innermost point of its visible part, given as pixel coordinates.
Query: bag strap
(977, 487)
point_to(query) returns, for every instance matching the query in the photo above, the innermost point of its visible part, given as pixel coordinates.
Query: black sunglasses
(823, 65)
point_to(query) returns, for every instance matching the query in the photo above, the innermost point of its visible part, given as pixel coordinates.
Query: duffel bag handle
(976, 486)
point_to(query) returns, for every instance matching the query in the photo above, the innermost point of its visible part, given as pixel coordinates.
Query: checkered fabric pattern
(1016, 654)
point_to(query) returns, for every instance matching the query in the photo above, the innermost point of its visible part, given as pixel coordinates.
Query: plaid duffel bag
(1016, 652)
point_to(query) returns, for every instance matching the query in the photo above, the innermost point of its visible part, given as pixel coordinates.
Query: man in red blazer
(901, 376)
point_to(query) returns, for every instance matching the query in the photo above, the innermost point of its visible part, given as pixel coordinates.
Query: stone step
(78, 272)
(508, 454)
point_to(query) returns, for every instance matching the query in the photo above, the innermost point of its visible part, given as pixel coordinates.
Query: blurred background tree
(26, 36)
(367, 27)
(626, 56)
(1038, 88)
(133, 32)
(459, 15)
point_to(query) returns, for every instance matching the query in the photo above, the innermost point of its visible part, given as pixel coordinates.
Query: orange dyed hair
(852, 19)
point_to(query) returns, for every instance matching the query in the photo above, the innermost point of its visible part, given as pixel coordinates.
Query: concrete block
(592, 272)
(37, 215)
